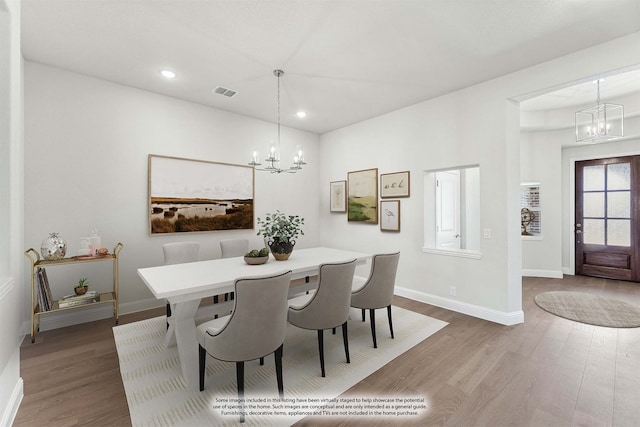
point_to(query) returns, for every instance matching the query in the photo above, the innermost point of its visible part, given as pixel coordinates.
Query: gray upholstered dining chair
(328, 306)
(178, 253)
(255, 328)
(377, 290)
(234, 247)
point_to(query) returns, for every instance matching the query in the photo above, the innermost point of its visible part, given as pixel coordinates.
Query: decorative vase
(53, 248)
(281, 250)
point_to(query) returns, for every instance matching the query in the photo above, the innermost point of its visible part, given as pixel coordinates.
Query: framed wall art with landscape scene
(362, 196)
(338, 199)
(187, 195)
(394, 184)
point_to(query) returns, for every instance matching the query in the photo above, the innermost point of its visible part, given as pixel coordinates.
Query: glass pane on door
(593, 178)
(619, 232)
(619, 176)
(593, 205)
(593, 231)
(619, 204)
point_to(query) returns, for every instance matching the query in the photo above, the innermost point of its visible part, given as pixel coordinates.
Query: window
(452, 211)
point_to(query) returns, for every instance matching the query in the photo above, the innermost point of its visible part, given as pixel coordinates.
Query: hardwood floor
(548, 371)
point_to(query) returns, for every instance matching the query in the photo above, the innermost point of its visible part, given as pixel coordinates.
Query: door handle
(456, 236)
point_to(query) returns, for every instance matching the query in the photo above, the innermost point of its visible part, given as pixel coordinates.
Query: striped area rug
(157, 395)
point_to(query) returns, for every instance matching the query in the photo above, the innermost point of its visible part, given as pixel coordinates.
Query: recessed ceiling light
(301, 114)
(168, 74)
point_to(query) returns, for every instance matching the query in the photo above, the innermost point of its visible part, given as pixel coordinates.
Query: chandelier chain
(279, 74)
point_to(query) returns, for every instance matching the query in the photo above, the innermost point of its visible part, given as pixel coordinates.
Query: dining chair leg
(278, 357)
(390, 321)
(334, 331)
(168, 314)
(346, 341)
(202, 360)
(321, 349)
(363, 310)
(240, 380)
(372, 318)
(261, 361)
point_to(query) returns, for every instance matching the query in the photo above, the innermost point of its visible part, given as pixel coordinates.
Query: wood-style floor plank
(548, 371)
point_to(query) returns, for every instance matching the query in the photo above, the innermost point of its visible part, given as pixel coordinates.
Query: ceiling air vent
(224, 91)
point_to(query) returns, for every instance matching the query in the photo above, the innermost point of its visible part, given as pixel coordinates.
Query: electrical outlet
(452, 291)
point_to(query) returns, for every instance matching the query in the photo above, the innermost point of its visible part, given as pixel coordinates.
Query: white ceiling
(344, 61)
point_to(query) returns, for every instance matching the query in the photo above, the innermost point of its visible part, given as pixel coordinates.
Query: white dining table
(184, 285)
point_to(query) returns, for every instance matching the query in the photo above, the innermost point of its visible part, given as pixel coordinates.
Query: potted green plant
(280, 232)
(82, 286)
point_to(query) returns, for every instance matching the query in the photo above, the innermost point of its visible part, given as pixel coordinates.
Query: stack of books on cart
(44, 293)
(73, 300)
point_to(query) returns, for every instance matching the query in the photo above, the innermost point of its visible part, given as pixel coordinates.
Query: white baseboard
(89, 314)
(568, 271)
(501, 317)
(11, 409)
(551, 274)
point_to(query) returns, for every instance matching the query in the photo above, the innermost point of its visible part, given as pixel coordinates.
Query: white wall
(477, 125)
(11, 213)
(431, 136)
(86, 147)
(540, 161)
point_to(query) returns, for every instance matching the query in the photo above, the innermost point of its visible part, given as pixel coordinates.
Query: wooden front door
(607, 226)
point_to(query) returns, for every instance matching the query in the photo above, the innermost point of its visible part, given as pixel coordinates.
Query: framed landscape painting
(390, 215)
(338, 196)
(187, 195)
(362, 196)
(395, 184)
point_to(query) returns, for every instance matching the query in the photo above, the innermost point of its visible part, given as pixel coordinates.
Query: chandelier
(273, 157)
(600, 122)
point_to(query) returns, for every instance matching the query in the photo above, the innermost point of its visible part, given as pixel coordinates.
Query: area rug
(591, 309)
(157, 395)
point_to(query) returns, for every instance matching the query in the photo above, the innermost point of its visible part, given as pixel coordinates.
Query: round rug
(591, 309)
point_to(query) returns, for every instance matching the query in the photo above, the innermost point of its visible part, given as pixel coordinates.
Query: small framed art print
(395, 184)
(390, 215)
(338, 196)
